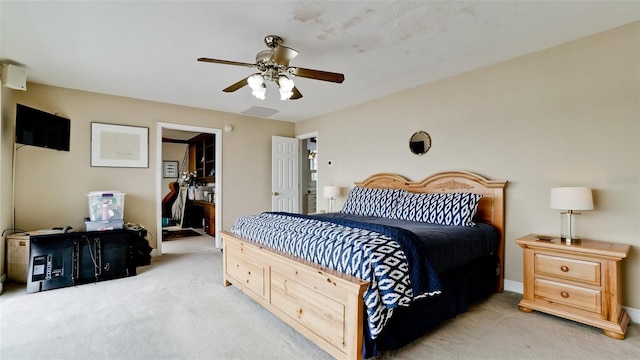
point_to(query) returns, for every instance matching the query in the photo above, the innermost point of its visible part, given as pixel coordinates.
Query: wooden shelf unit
(202, 157)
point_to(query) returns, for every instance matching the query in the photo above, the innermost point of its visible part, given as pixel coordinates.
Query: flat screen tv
(38, 128)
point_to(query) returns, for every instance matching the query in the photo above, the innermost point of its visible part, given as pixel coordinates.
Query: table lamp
(331, 192)
(570, 199)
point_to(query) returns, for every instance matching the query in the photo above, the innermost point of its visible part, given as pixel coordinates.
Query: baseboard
(513, 286)
(154, 252)
(634, 314)
(518, 287)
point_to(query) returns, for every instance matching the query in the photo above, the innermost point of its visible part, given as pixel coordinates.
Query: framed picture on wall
(119, 146)
(170, 169)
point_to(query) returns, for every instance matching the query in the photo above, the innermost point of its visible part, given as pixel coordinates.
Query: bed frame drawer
(249, 273)
(318, 313)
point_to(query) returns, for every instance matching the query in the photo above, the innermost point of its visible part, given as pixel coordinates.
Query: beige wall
(6, 159)
(51, 186)
(561, 117)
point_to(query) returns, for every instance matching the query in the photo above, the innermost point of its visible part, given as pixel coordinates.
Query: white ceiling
(148, 49)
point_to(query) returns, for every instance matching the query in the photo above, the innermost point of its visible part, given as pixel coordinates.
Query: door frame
(218, 188)
(301, 157)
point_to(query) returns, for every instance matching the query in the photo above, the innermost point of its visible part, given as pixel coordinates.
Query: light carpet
(177, 308)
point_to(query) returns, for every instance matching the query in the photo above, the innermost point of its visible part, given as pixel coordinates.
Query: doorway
(163, 129)
(308, 150)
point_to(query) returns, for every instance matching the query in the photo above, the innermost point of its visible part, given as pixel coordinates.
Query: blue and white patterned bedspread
(366, 254)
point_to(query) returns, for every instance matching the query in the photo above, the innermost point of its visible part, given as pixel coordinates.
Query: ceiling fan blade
(226, 62)
(317, 74)
(282, 55)
(240, 84)
(296, 94)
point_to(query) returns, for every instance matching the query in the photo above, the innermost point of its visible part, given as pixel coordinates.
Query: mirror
(420, 143)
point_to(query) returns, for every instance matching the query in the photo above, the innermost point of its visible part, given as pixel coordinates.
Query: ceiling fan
(273, 65)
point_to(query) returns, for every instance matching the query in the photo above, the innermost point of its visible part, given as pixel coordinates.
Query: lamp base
(331, 200)
(570, 229)
(570, 241)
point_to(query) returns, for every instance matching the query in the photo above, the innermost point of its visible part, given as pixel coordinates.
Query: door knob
(276, 193)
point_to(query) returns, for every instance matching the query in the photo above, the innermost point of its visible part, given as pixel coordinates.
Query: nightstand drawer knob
(564, 268)
(564, 294)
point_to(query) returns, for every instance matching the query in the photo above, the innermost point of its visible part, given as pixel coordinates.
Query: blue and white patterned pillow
(438, 208)
(371, 201)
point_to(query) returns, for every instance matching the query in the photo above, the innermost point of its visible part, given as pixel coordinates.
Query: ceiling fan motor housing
(263, 56)
(272, 41)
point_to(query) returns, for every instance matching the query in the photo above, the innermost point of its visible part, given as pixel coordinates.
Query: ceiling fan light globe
(259, 95)
(285, 83)
(260, 92)
(285, 95)
(255, 81)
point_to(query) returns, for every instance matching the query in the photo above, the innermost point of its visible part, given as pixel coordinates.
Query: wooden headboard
(490, 208)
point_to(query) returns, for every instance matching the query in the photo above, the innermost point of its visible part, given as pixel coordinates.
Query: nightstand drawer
(574, 296)
(569, 269)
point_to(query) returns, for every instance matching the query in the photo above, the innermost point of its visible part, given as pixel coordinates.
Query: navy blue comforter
(446, 247)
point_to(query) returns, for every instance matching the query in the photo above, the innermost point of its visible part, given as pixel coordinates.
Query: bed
(356, 309)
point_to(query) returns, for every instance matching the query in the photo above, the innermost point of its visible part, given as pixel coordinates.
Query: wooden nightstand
(580, 282)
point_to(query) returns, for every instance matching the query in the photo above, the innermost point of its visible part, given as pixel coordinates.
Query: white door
(284, 182)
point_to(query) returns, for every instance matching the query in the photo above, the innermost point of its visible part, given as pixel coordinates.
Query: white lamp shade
(331, 191)
(571, 198)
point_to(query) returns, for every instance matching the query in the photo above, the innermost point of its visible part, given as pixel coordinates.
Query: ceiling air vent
(260, 111)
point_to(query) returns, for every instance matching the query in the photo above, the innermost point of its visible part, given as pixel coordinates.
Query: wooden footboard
(324, 305)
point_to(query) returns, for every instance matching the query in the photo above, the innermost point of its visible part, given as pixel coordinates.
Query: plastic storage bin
(103, 225)
(106, 205)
